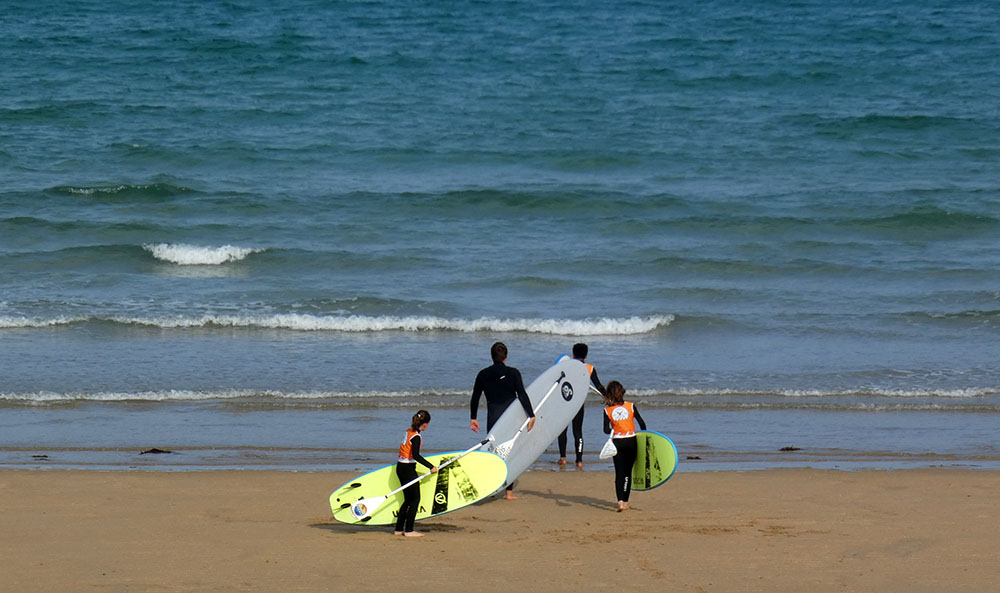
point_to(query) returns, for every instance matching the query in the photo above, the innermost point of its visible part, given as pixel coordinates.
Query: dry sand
(808, 531)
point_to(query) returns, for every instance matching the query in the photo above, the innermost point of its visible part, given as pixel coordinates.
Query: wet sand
(777, 530)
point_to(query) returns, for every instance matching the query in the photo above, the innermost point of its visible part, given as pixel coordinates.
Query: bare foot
(397, 533)
(579, 465)
(413, 534)
(562, 461)
(509, 496)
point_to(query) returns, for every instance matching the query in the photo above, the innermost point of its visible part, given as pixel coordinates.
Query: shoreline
(786, 530)
(112, 437)
(335, 459)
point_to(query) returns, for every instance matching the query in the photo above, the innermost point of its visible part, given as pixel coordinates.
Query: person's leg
(628, 450)
(562, 445)
(492, 415)
(405, 472)
(619, 462)
(412, 496)
(577, 437)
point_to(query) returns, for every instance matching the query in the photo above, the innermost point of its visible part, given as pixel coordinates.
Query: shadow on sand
(347, 528)
(565, 500)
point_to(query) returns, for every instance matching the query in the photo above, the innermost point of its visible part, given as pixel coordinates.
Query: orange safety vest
(622, 418)
(406, 447)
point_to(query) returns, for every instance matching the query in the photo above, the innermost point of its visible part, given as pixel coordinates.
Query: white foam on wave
(625, 326)
(958, 393)
(229, 395)
(197, 255)
(364, 323)
(34, 322)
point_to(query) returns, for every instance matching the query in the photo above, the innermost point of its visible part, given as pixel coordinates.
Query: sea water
(263, 234)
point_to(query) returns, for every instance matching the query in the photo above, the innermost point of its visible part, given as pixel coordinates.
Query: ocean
(262, 235)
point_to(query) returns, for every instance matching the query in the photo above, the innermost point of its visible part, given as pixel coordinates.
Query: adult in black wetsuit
(502, 385)
(579, 353)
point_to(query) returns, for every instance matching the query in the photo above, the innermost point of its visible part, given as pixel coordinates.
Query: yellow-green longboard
(655, 462)
(461, 483)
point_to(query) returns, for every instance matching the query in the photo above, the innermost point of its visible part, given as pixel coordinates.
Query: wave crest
(362, 323)
(195, 255)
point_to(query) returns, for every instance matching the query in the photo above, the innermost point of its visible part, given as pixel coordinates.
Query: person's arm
(477, 392)
(597, 382)
(638, 417)
(607, 423)
(415, 449)
(522, 396)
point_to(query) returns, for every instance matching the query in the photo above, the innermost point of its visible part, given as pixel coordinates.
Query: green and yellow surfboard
(656, 460)
(467, 480)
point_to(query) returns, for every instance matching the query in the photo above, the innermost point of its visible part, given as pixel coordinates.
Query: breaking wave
(195, 255)
(362, 323)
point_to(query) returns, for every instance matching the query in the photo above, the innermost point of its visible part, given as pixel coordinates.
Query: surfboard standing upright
(556, 396)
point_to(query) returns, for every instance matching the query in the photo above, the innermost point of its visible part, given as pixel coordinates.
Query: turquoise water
(753, 214)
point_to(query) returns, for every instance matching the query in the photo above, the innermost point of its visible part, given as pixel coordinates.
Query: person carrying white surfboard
(501, 384)
(620, 418)
(406, 470)
(580, 353)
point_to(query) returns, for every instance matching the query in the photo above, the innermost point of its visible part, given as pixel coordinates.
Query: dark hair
(419, 418)
(498, 352)
(614, 393)
(580, 351)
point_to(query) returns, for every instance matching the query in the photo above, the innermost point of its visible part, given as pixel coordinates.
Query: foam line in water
(362, 323)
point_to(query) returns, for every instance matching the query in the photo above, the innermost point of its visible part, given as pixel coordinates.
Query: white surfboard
(556, 396)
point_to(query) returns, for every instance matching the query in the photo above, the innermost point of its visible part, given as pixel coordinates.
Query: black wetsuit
(628, 450)
(502, 385)
(411, 496)
(578, 424)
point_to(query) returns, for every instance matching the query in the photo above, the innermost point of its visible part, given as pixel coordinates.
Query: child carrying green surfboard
(620, 418)
(406, 470)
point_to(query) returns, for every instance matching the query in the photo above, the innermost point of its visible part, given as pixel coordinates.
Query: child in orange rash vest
(406, 470)
(620, 418)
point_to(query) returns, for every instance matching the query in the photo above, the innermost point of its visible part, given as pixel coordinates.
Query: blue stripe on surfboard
(676, 456)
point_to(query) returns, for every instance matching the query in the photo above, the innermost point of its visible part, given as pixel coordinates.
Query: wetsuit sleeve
(638, 417)
(477, 392)
(415, 449)
(607, 423)
(522, 395)
(597, 382)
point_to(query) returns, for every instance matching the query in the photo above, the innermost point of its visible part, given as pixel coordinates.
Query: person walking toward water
(620, 418)
(406, 470)
(502, 385)
(579, 353)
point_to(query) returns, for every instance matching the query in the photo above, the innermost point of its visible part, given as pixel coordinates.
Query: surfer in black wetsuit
(579, 353)
(502, 385)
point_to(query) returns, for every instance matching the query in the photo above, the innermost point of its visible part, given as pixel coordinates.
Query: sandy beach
(778, 530)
